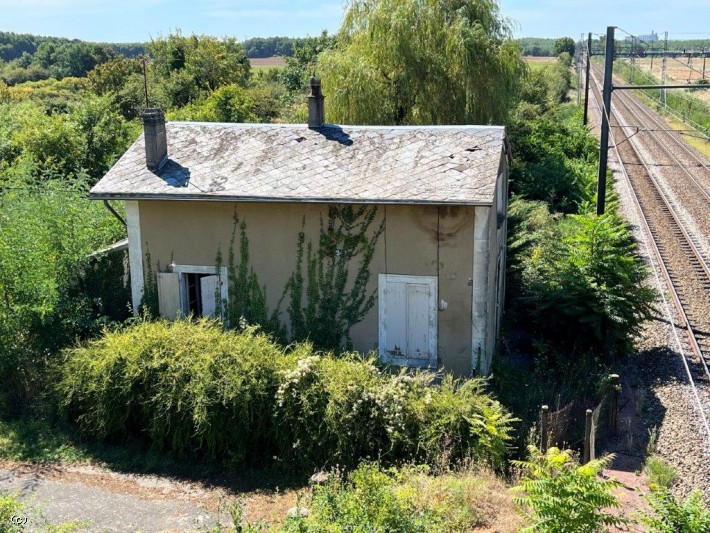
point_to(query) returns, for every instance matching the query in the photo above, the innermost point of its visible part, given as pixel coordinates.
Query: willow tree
(421, 62)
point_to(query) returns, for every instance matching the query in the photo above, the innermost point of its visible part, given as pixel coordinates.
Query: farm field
(260, 63)
(678, 70)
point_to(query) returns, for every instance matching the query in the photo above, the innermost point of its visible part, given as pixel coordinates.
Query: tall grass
(197, 390)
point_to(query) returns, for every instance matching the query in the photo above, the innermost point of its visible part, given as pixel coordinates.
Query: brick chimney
(316, 108)
(156, 142)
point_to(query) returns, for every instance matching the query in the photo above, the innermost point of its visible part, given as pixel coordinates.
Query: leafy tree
(422, 62)
(564, 44)
(585, 288)
(46, 235)
(188, 68)
(230, 103)
(559, 496)
(302, 65)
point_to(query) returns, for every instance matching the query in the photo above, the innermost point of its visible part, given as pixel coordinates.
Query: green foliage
(10, 507)
(559, 496)
(660, 473)
(247, 299)
(537, 47)
(188, 386)
(585, 287)
(372, 498)
(192, 388)
(302, 64)
(271, 46)
(74, 58)
(422, 62)
(564, 45)
(88, 137)
(345, 409)
(230, 103)
(671, 516)
(334, 302)
(555, 160)
(188, 68)
(46, 236)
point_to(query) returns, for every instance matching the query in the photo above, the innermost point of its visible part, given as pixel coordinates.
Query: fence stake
(614, 404)
(587, 438)
(544, 413)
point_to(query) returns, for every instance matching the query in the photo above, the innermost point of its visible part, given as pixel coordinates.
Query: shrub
(660, 473)
(408, 499)
(559, 496)
(670, 516)
(193, 388)
(10, 507)
(188, 385)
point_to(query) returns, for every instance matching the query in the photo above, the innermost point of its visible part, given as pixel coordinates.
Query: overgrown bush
(671, 516)
(192, 388)
(559, 496)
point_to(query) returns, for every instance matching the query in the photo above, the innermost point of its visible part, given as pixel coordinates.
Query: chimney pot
(156, 142)
(316, 107)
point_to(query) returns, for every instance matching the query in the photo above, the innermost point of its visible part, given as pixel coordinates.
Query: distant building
(649, 38)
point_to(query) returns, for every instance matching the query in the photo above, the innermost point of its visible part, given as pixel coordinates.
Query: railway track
(679, 245)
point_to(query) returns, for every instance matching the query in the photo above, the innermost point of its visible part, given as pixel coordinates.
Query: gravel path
(101, 500)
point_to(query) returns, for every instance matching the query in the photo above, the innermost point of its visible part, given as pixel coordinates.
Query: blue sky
(139, 20)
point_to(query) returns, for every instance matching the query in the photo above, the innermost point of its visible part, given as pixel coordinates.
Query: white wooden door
(169, 295)
(418, 321)
(208, 291)
(407, 306)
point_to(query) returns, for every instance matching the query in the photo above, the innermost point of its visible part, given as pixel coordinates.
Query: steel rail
(678, 304)
(663, 127)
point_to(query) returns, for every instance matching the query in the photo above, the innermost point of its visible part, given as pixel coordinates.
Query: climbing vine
(333, 302)
(247, 299)
(325, 302)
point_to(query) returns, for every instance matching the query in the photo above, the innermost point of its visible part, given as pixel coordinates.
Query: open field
(678, 70)
(259, 63)
(535, 59)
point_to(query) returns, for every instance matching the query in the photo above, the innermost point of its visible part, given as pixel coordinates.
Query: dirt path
(103, 500)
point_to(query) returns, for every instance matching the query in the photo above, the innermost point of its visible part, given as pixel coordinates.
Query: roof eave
(285, 200)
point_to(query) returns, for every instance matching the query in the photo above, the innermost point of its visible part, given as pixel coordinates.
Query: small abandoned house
(439, 196)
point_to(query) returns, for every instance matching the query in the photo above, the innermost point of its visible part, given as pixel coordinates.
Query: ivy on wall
(247, 299)
(324, 302)
(333, 304)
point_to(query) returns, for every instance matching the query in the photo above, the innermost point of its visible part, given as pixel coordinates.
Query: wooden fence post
(544, 413)
(614, 404)
(587, 438)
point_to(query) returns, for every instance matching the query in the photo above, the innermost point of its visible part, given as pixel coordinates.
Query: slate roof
(292, 163)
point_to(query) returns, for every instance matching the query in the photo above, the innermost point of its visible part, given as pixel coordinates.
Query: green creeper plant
(247, 299)
(558, 495)
(333, 301)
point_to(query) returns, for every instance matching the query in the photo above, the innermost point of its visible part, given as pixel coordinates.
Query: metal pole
(606, 115)
(663, 72)
(145, 84)
(579, 71)
(586, 83)
(705, 56)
